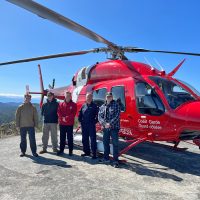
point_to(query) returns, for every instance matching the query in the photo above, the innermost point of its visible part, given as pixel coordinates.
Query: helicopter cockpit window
(99, 96)
(148, 102)
(174, 93)
(83, 75)
(191, 87)
(119, 95)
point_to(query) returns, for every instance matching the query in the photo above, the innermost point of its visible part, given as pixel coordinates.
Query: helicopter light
(152, 70)
(162, 73)
(150, 136)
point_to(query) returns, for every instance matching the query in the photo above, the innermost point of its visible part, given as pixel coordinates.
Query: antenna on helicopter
(152, 68)
(53, 84)
(162, 69)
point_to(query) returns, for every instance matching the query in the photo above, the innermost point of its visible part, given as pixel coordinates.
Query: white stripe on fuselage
(76, 93)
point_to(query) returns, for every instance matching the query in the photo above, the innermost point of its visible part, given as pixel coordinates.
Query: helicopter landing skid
(179, 148)
(133, 143)
(175, 147)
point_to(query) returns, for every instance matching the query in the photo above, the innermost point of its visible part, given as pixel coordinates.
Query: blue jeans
(31, 133)
(113, 133)
(89, 136)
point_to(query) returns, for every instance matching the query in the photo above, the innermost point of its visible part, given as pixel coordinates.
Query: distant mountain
(7, 111)
(16, 99)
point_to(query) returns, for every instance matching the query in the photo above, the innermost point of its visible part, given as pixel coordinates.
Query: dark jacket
(88, 115)
(110, 113)
(49, 111)
(68, 112)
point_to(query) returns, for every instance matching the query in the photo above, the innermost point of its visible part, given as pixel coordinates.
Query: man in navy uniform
(109, 118)
(88, 117)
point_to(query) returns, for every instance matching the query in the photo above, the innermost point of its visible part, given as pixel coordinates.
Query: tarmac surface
(152, 171)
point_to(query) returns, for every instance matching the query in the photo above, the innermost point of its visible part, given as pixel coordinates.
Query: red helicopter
(154, 105)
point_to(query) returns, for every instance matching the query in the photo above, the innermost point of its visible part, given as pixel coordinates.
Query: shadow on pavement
(48, 161)
(166, 157)
(79, 158)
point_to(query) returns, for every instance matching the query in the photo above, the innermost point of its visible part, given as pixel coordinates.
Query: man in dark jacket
(49, 112)
(66, 115)
(109, 118)
(88, 117)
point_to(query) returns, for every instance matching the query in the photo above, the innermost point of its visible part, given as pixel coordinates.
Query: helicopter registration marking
(151, 124)
(126, 131)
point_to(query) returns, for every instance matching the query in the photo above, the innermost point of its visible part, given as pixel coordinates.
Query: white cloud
(17, 95)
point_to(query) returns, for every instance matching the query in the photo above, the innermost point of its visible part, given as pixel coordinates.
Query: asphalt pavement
(151, 171)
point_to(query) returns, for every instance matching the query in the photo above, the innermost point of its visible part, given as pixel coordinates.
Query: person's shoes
(70, 153)
(94, 157)
(22, 154)
(35, 155)
(60, 153)
(85, 154)
(43, 151)
(116, 165)
(104, 161)
(55, 150)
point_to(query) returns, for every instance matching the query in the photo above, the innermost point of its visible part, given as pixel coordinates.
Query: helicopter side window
(99, 96)
(83, 75)
(119, 95)
(148, 102)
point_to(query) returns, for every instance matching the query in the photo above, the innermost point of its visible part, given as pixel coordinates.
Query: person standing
(49, 112)
(109, 118)
(26, 120)
(66, 114)
(88, 117)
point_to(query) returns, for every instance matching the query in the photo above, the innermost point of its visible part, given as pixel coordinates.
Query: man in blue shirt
(88, 117)
(109, 118)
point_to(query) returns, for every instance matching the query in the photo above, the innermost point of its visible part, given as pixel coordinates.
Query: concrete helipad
(152, 171)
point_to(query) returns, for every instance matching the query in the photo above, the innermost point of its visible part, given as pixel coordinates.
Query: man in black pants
(66, 115)
(88, 117)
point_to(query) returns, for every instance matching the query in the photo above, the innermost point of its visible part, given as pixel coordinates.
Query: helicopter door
(126, 119)
(152, 117)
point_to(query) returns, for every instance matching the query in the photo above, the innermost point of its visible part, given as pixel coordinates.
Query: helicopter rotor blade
(135, 49)
(50, 56)
(57, 18)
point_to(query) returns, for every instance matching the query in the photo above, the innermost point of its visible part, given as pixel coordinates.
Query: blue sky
(156, 24)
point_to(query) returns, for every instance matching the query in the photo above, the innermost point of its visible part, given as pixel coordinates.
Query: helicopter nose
(191, 111)
(189, 124)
